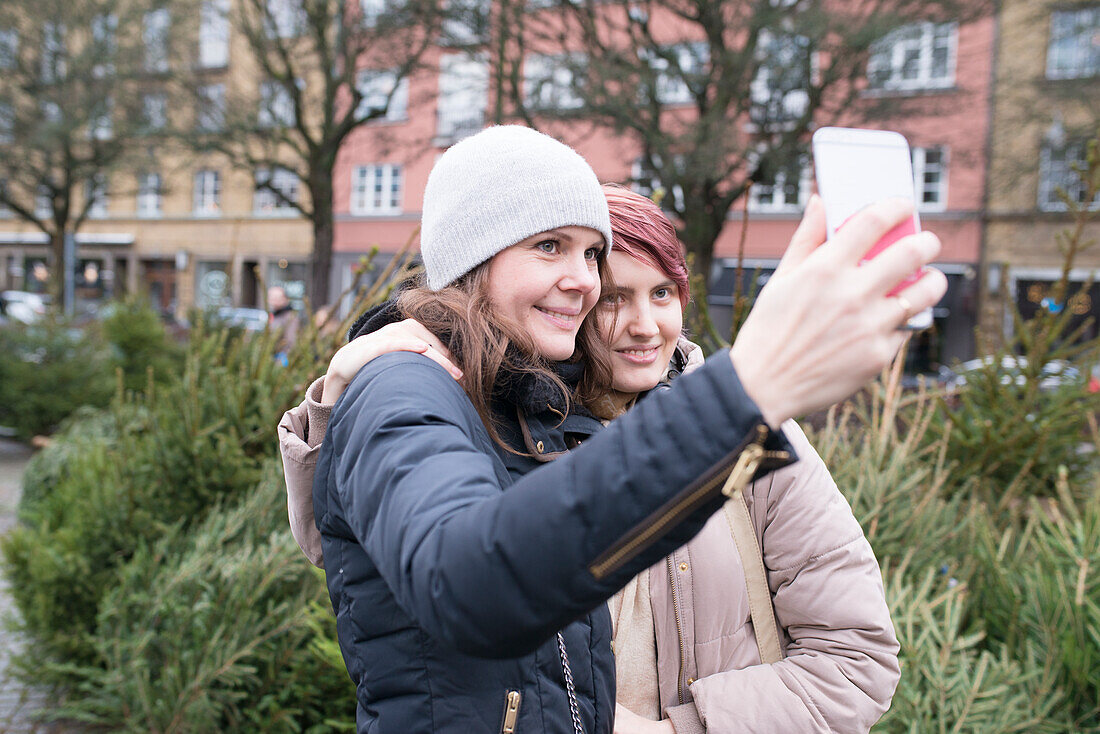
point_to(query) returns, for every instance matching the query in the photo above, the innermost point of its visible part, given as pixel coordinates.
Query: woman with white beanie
(466, 570)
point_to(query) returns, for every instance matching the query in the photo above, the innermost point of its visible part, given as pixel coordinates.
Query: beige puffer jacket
(840, 667)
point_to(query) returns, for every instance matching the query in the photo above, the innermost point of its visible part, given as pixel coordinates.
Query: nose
(642, 325)
(579, 274)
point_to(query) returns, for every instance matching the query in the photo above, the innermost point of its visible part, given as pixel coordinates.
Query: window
(1057, 173)
(51, 111)
(373, 10)
(154, 34)
(7, 123)
(930, 177)
(100, 126)
(549, 82)
(104, 37)
(916, 56)
(214, 34)
(384, 97)
(1074, 51)
(9, 48)
(265, 202)
(376, 189)
(150, 195)
(689, 63)
(646, 181)
(210, 114)
(207, 198)
(284, 18)
(43, 202)
(781, 187)
(95, 196)
(276, 106)
(779, 89)
(465, 22)
(463, 95)
(154, 111)
(53, 52)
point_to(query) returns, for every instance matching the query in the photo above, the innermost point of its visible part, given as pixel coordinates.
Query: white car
(23, 306)
(1055, 373)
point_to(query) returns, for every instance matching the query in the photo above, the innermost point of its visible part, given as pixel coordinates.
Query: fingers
(420, 346)
(414, 328)
(860, 233)
(434, 354)
(808, 237)
(898, 262)
(894, 311)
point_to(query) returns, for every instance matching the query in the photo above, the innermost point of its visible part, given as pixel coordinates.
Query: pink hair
(641, 230)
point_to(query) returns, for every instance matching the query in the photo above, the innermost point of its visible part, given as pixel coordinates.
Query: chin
(556, 349)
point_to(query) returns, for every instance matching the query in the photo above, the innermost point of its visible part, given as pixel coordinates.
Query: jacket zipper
(511, 712)
(679, 631)
(689, 500)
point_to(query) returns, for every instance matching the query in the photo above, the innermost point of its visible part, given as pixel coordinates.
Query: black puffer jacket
(451, 563)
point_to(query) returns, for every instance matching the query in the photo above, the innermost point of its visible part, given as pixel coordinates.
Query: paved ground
(16, 704)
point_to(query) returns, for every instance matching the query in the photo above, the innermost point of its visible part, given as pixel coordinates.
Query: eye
(593, 253)
(550, 247)
(662, 293)
(613, 300)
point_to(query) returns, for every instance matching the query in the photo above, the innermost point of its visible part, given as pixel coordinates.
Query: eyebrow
(562, 235)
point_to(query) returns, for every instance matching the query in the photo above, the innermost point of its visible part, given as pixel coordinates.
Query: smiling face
(644, 317)
(547, 284)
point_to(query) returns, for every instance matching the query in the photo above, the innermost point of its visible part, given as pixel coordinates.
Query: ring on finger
(906, 308)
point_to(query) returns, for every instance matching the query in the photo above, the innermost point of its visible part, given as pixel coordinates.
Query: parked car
(249, 319)
(24, 307)
(1055, 374)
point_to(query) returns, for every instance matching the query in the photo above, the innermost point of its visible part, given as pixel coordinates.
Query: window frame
(361, 200)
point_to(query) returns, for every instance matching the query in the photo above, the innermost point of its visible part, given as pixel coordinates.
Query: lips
(563, 318)
(639, 355)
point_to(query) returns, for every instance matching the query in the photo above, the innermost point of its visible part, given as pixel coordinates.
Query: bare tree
(719, 95)
(71, 75)
(322, 68)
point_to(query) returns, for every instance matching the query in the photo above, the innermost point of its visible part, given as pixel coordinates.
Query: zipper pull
(511, 713)
(747, 464)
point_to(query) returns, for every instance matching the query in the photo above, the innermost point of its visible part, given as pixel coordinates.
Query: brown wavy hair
(487, 346)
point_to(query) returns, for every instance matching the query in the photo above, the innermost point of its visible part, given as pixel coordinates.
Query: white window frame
(96, 196)
(105, 34)
(774, 52)
(379, 86)
(53, 63)
(43, 202)
(548, 81)
(9, 48)
(155, 28)
(779, 203)
(463, 95)
(214, 34)
(469, 30)
(154, 110)
(276, 106)
(211, 108)
(692, 58)
(264, 201)
(888, 55)
(283, 18)
(366, 200)
(645, 182)
(1068, 179)
(1080, 28)
(206, 197)
(150, 195)
(100, 121)
(921, 169)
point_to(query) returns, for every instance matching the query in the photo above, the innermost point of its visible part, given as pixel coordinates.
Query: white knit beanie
(498, 187)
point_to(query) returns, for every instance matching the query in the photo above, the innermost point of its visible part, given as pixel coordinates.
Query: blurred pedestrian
(283, 319)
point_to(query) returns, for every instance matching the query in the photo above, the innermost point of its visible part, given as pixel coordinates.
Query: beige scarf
(635, 646)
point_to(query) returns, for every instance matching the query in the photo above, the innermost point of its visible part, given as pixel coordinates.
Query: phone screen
(856, 168)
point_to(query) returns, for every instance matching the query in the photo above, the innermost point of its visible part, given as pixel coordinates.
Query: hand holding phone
(856, 168)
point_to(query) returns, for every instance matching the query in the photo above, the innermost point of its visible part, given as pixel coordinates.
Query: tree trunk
(323, 234)
(57, 266)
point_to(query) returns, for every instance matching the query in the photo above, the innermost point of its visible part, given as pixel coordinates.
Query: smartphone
(854, 169)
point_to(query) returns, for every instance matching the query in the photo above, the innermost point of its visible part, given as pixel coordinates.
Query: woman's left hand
(628, 722)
